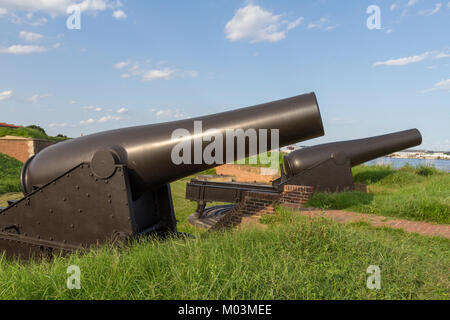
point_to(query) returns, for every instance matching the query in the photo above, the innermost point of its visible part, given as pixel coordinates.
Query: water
(443, 165)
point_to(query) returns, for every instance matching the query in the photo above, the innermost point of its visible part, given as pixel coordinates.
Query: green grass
(9, 174)
(421, 194)
(296, 258)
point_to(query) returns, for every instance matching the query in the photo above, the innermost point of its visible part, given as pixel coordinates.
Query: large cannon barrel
(146, 150)
(356, 151)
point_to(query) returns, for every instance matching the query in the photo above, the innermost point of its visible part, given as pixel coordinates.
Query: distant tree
(35, 127)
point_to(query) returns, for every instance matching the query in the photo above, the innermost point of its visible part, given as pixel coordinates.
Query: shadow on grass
(372, 176)
(339, 201)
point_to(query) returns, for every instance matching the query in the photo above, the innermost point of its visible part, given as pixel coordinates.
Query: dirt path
(423, 228)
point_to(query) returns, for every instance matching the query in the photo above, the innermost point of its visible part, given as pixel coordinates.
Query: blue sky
(135, 62)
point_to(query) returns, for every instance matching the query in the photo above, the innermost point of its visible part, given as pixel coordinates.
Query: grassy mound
(30, 132)
(296, 258)
(421, 194)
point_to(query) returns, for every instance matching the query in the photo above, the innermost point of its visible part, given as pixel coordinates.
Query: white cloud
(35, 98)
(442, 85)
(72, 102)
(154, 74)
(320, 24)
(433, 11)
(22, 49)
(58, 7)
(402, 61)
(96, 109)
(119, 15)
(393, 7)
(5, 95)
(413, 59)
(448, 5)
(295, 24)
(254, 24)
(57, 45)
(164, 74)
(108, 118)
(122, 110)
(100, 120)
(169, 114)
(3, 11)
(442, 55)
(88, 121)
(122, 64)
(167, 74)
(411, 3)
(30, 36)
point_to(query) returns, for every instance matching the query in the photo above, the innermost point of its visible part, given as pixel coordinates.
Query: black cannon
(326, 167)
(115, 185)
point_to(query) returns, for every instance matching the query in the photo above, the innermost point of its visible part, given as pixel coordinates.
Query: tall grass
(9, 174)
(421, 193)
(296, 258)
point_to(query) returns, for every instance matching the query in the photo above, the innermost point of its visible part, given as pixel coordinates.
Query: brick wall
(296, 196)
(22, 148)
(247, 173)
(260, 203)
